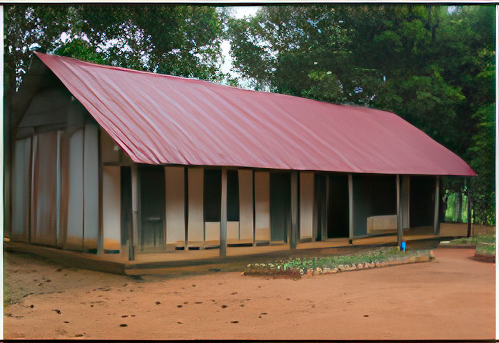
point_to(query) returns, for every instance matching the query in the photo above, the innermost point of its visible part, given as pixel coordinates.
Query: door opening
(152, 230)
(280, 206)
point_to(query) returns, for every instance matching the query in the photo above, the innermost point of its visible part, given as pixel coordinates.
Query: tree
(179, 40)
(82, 50)
(26, 27)
(422, 62)
(282, 45)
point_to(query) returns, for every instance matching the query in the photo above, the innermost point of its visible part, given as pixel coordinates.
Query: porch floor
(152, 263)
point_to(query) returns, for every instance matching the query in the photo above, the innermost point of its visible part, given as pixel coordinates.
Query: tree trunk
(458, 205)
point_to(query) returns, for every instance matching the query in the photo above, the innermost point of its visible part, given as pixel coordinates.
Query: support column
(400, 230)
(293, 236)
(436, 219)
(405, 194)
(324, 220)
(254, 209)
(58, 192)
(223, 216)
(32, 216)
(468, 208)
(350, 208)
(100, 228)
(133, 233)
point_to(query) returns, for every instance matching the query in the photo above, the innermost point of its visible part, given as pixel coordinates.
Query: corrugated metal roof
(161, 119)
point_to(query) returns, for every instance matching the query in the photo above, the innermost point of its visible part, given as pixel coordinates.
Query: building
(115, 161)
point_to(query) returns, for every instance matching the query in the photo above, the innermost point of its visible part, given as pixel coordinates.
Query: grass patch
(485, 249)
(484, 243)
(463, 241)
(361, 260)
(11, 295)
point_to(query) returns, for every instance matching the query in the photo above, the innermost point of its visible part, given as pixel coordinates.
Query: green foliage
(433, 65)
(483, 162)
(80, 49)
(452, 211)
(484, 243)
(172, 39)
(25, 27)
(485, 249)
(281, 45)
(179, 40)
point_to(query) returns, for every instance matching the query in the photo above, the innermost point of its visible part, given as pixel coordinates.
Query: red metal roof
(161, 119)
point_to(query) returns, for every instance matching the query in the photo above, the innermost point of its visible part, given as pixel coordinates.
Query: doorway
(152, 230)
(422, 200)
(337, 216)
(280, 206)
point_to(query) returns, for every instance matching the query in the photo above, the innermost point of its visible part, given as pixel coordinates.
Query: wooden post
(400, 230)
(405, 194)
(133, 235)
(350, 208)
(325, 218)
(186, 208)
(436, 216)
(315, 220)
(34, 167)
(293, 238)
(223, 216)
(58, 190)
(254, 206)
(468, 208)
(100, 234)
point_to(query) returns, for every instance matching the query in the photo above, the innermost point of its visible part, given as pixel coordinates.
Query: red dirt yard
(451, 297)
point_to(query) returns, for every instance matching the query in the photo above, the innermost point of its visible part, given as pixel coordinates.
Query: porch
(163, 263)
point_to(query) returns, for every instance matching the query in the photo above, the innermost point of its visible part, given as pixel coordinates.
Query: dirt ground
(449, 298)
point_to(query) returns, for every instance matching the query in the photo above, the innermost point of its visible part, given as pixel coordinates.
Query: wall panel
(63, 187)
(262, 206)
(45, 185)
(21, 189)
(195, 198)
(212, 232)
(175, 205)
(232, 232)
(111, 202)
(246, 205)
(109, 148)
(74, 238)
(306, 204)
(91, 188)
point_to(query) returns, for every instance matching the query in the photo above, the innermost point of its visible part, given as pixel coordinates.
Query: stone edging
(360, 266)
(340, 268)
